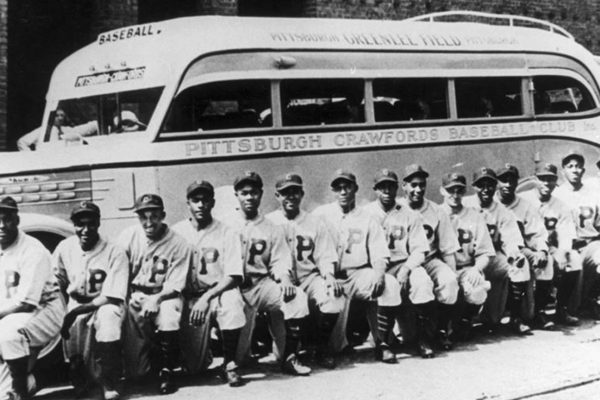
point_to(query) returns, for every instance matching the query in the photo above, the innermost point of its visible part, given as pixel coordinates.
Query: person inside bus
(128, 122)
(29, 141)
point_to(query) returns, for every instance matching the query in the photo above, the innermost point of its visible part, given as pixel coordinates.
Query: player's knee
(475, 294)
(297, 307)
(108, 323)
(447, 288)
(421, 286)
(391, 293)
(230, 314)
(332, 304)
(169, 315)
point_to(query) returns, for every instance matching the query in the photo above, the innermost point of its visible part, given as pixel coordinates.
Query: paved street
(502, 367)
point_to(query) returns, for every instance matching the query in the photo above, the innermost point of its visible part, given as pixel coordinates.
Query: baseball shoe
(384, 354)
(425, 349)
(166, 384)
(231, 376)
(518, 327)
(541, 321)
(325, 359)
(444, 340)
(564, 318)
(111, 394)
(293, 366)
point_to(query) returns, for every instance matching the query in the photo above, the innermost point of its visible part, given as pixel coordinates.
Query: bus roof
(155, 54)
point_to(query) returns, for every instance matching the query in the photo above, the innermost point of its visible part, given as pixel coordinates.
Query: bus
(209, 97)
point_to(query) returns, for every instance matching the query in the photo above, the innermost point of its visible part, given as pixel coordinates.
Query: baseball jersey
(558, 220)
(530, 224)
(440, 234)
(585, 206)
(157, 264)
(473, 235)
(26, 268)
(217, 253)
(502, 226)
(403, 230)
(263, 246)
(359, 239)
(101, 270)
(309, 241)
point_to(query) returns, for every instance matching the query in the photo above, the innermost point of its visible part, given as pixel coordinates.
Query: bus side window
(221, 105)
(488, 97)
(322, 101)
(559, 95)
(410, 99)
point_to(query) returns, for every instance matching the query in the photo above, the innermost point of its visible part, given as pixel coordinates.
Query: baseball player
(314, 258)
(440, 261)
(535, 237)
(407, 244)
(584, 202)
(268, 284)
(211, 291)
(475, 253)
(363, 257)
(509, 266)
(159, 260)
(93, 275)
(31, 307)
(560, 225)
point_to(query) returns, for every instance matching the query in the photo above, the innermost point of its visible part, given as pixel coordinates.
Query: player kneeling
(93, 274)
(476, 251)
(211, 292)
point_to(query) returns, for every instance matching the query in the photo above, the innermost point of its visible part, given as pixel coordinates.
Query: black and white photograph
(300, 199)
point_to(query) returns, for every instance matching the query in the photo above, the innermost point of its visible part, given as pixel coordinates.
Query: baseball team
(148, 303)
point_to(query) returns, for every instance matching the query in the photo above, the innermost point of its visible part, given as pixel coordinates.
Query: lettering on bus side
(128, 33)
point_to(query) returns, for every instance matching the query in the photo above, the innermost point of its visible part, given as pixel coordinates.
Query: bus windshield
(105, 114)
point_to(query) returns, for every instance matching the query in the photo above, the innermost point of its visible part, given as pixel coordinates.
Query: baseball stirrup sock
(326, 325)
(109, 361)
(542, 294)
(517, 292)
(168, 343)
(18, 372)
(293, 331)
(566, 287)
(385, 323)
(230, 342)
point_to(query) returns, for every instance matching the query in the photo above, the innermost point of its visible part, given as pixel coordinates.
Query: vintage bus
(213, 96)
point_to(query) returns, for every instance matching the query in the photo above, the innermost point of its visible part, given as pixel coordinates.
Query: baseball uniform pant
(20, 332)
(316, 289)
(420, 285)
(541, 278)
(497, 273)
(103, 325)
(359, 285)
(226, 310)
(590, 255)
(139, 332)
(475, 295)
(265, 296)
(445, 281)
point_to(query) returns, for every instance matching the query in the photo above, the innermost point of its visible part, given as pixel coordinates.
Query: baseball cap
(128, 118)
(85, 207)
(148, 202)
(8, 203)
(412, 170)
(249, 177)
(483, 173)
(385, 175)
(573, 154)
(546, 169)
(289, 180)
(200, 185)
(342, 174)
(453, 179)
(508, 169)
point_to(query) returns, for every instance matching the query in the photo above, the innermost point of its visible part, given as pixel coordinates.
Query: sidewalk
(502, 367)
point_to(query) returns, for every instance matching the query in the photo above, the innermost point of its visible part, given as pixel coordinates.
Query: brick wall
(3, 72)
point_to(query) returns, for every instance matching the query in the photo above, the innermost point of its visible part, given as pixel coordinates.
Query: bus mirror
(284, 62)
